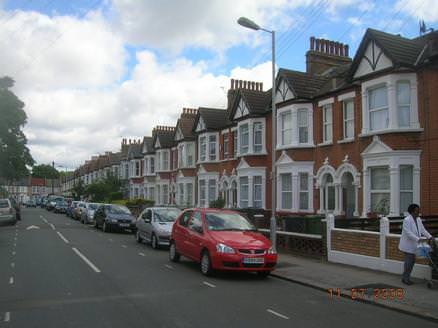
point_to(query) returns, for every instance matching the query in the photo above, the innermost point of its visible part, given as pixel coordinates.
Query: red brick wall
(393, 253)
(356, 242)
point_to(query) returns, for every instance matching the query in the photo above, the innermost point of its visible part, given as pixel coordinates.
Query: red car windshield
(228, 221)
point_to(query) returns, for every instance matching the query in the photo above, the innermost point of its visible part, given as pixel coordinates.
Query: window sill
(295, 146)
(343, 141)
(326, 143)
(386, 131)
(207, 162)
(293, 211)
(264, 153)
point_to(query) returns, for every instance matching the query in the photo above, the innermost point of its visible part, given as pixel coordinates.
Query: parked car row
(216, 239)
(9, 211)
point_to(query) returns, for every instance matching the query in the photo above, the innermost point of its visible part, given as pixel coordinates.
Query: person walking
(412, 233)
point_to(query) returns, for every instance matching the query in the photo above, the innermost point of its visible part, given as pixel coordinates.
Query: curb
(343, 294)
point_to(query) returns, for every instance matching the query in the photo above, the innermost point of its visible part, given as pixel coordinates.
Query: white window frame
(207, 176)
(346, 120)
(295, 141)
(295, 168)
(390, 81)
(207, 147)
(185, 182)
(392, 159)
(226, 138)
(251, 136)
(163, 166)
(326, 123)
(251, 172)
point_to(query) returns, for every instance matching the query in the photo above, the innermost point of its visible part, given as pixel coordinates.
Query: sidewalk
(416, 299)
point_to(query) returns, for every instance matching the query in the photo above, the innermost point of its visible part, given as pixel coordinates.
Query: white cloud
(69, 125)
(62, 51)
(424, 9)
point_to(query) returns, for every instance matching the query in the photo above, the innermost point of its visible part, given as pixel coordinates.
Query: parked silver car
(8, 214)
(87, 213)
(154, 225)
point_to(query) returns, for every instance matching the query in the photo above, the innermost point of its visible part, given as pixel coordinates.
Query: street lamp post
(245, 22)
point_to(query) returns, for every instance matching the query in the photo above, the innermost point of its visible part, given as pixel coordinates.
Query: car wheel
(154, 242)
(138, 237)
(205, 264)
(263, 274)
(174, 256)
(96, 225)
(105, 227)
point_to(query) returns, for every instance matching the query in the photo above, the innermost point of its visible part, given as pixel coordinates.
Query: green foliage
(104, 190)
(140, 202)
(45, 171)
(14, 154)
(3, 193)
(78, 190)
(218, 203)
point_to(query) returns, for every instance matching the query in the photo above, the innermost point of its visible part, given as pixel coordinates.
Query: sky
(92, 72)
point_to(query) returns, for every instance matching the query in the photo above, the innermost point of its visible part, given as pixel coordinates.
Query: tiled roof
(186, 124)
(303, 85)
(115, 158)
(135, 151)
(214, 118)
(257, 101)
(165, 136)
(149, 142)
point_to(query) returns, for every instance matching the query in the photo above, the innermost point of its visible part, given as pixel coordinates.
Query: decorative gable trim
(283, 92)
(242, 165)
(241, 110)
(178, 135)
(201, 125)
(157, 143)
(377, 146)
(373, 60)
(284, 159)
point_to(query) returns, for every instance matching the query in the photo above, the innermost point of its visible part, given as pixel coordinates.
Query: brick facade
(356, 242)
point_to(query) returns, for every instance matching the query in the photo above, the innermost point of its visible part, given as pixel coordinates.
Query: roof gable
(373, 60)
(157, 143)
(201, 125)
(178, 135)
(242, 109)
(283, 92)
(376, 146)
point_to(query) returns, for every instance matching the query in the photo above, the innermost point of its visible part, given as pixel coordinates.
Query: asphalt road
(64, 274)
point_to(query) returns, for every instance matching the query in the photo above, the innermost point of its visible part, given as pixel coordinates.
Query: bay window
(258, 137)
(244, 192)
(212, 147)
(202, 149)
(186, 154)
(202, 193)
(208, 147)
(286, 191)
(257, 192)
(189, 193)
(406, 187)
(244, 138)
(404, 103)
(211, 191)
(378, 108)
(295, 126)
(165, 197)
(304, 191)
(235, 138)
(190, 154)
(286, 128)
(303, 126)
(380, 189)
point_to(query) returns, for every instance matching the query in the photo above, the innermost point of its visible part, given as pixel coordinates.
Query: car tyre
(138, 237)
(96, 225)
(205, 265)
(154, 242)
(263, 274)
(105, 227)
(174, 256)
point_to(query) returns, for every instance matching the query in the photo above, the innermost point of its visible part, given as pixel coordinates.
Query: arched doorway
(348, 196)
(233, 199)
(329, 193)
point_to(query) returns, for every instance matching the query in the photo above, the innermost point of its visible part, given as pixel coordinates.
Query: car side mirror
(198, 229)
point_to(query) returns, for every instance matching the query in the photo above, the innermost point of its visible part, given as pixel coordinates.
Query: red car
(221, 240)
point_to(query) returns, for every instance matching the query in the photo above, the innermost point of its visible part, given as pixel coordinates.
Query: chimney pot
(346, 50)
(312, 43)
(332, 47)
(253, 85)
(261, 86)
(232, 84)
(240, 84)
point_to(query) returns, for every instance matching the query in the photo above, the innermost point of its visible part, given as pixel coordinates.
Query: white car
(87, 213)
(154, 225)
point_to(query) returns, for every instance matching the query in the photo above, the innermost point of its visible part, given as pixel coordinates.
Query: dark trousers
(409, 265)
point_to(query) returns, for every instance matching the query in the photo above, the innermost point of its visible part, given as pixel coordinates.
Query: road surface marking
(45, 220)
(14, 252)
(277, 314)
(169, 266)
(13, 264)
(82, 256)
(52, 226)
(110, 240)
(208, 284)
(11, 281)
(32, 227)
(142, 254)
(124, 246)
(7, 316)
(62, 237)
(15, 238)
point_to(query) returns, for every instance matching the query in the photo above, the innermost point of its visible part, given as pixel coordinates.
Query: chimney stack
(325, 54)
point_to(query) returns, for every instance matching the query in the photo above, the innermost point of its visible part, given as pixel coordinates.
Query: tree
(45, 171)
(14, 154)
(104, 190)
(78, 190)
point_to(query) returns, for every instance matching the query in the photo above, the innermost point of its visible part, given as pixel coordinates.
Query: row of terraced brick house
(355, 137)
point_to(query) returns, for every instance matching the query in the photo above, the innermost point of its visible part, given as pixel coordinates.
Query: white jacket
(411, 235)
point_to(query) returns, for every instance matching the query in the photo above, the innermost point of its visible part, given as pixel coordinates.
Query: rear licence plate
(124, 224)
(253, 260)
